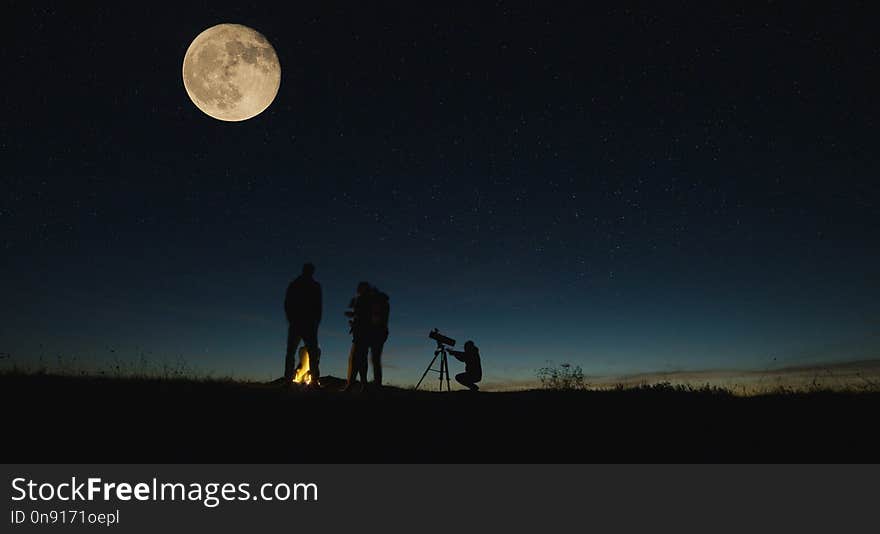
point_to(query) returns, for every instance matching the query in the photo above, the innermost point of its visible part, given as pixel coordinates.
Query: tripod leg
(426, 371)
(444, 371)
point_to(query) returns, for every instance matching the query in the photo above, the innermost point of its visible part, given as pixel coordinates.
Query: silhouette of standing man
(379, 309)
(303, 307)
(359, 320)
(473, 370)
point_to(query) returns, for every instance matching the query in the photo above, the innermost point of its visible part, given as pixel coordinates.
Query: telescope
(442, 342)
(441, 339)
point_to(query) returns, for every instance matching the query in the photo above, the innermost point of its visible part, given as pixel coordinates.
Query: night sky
(676, 187)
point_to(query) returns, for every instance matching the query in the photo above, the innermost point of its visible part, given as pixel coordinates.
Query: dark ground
(67, 419)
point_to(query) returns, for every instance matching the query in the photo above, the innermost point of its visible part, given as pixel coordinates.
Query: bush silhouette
(565, 377)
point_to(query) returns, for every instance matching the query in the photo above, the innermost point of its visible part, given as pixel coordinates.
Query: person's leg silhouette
(467, 380)
(310, 339)
(376, 361)
(293, 339)
(357, 363)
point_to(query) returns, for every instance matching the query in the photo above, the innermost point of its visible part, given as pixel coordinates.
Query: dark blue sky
(628, 189)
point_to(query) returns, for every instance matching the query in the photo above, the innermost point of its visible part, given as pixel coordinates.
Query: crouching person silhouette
(303, 307)
(473, 371)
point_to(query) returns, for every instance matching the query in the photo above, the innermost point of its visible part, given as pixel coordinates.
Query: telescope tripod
(444, 367)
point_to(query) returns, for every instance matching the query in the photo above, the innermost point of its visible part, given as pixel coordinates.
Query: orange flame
(303, 373)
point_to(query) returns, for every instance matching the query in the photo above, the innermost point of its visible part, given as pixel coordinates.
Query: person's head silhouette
(469, 346)
(362, 288)
(308, 270)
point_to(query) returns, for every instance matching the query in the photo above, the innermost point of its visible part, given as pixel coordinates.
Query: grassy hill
(86, 419)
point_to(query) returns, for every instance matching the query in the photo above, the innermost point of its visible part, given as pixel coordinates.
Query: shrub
(565, 377)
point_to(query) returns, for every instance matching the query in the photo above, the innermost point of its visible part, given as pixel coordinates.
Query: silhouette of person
(303, 307)
(359, 322)
(379, 308)
(473, 371)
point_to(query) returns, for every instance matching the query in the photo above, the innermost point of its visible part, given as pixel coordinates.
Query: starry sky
(627, 188)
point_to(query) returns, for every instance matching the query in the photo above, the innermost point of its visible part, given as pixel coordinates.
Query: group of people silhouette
(368, 316)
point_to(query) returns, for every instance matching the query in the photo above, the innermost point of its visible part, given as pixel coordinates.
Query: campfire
(303, 373)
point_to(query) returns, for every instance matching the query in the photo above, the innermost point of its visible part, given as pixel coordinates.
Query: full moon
(231, 72)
